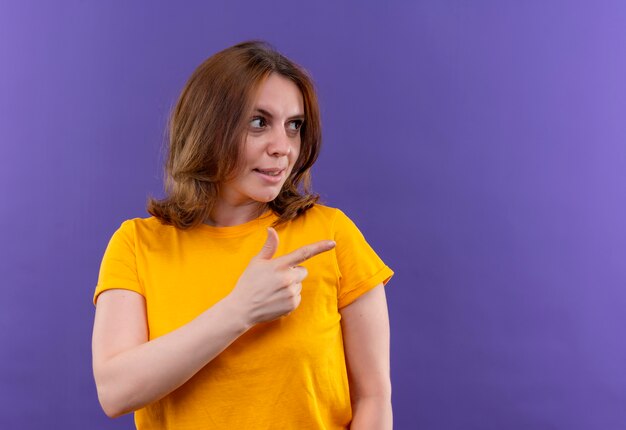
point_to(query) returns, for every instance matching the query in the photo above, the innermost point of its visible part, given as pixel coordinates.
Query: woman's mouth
(270, 175)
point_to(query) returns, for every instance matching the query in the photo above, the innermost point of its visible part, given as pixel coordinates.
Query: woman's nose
(279, 144)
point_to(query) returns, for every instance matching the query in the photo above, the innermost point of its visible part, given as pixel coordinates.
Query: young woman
(242, 303)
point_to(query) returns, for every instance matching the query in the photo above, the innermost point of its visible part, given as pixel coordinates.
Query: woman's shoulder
(320, 209)
(322, 213)
(144, 227)
(327, 212)
(334, 219)
(151, 223)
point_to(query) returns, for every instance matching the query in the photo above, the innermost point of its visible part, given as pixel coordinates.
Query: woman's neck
(226, 215)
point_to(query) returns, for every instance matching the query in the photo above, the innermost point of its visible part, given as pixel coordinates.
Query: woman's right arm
(132, 371)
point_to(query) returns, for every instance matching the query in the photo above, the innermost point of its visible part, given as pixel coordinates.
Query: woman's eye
(295, 125)
(257, 122)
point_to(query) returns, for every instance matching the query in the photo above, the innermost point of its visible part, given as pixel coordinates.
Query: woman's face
(271, 146)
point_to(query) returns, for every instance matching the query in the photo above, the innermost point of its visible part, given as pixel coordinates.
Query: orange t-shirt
(285, 374)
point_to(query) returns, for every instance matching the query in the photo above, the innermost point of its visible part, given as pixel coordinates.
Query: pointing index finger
(306, 252)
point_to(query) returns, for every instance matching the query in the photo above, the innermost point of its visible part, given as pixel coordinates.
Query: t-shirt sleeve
(360, 268)
(119, 263)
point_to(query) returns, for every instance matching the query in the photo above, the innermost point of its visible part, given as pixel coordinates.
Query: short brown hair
(207, 128)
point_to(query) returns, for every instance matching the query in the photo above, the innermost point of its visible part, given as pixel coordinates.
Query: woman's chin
(266, 198)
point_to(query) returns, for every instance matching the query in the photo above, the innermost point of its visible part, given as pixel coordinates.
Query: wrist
(235, 312)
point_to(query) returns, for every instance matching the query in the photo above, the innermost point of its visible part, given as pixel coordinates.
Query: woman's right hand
(270, 287)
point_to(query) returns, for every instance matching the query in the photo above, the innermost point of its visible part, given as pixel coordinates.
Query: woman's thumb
(270, 246)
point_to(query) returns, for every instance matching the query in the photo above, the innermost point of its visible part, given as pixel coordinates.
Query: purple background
(480, 146)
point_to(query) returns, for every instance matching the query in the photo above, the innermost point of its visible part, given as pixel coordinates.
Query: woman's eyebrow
(269, 115)
(263, 112)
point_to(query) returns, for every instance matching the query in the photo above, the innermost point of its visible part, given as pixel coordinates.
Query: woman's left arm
(365, 326)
